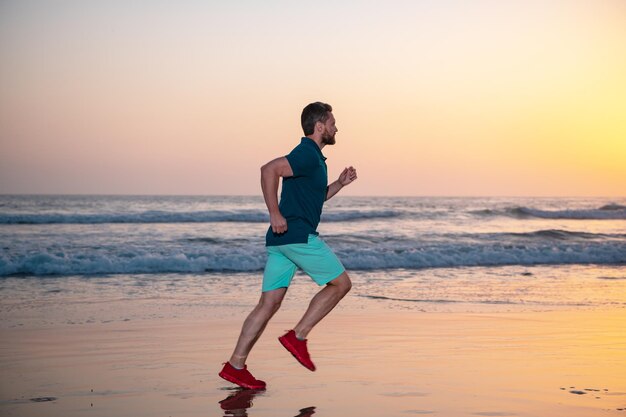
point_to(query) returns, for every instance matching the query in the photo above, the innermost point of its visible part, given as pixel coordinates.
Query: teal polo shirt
(303, 194)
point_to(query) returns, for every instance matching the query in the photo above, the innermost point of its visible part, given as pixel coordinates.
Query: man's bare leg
(322, 304)
(255, 323)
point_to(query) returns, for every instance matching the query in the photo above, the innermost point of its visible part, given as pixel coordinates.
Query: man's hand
(347, 176)
(278, 222)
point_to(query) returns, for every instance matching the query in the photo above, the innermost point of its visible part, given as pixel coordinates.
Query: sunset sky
(455, 98)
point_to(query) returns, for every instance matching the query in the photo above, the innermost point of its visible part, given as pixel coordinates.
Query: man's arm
(347, 176)
(270, 176)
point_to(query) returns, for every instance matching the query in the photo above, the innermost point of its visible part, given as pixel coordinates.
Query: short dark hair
(313, 113)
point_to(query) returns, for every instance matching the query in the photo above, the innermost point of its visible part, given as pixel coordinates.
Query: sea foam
(197, 258)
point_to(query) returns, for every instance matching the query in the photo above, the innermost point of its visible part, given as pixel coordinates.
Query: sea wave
(375, 256)
(156, 216)
(55, 263)
(490, 254)
(606, 212)
(536, 236)
(612, 206)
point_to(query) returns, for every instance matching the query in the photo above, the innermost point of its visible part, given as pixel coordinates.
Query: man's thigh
(279, 270)
(316, 259)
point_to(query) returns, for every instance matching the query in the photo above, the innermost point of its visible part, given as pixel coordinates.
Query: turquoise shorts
(315, 258)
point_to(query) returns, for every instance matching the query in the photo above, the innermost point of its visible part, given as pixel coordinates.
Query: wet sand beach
(372, 361)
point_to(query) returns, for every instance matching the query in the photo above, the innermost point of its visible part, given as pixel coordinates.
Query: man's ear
(319, 126)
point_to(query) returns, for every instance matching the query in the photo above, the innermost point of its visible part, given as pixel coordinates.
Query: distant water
(395, 238)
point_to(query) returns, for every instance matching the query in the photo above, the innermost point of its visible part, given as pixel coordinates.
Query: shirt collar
(311, 142)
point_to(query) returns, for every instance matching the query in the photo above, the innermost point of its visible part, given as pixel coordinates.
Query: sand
(372, 361)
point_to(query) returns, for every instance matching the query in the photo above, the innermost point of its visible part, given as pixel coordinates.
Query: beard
(328, 139)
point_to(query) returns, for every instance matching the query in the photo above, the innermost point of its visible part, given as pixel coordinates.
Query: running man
(293, 242)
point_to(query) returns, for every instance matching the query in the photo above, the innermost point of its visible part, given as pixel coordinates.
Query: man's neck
(318, 140)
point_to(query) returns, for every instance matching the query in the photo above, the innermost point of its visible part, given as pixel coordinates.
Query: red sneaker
(241, 377)
(297, 348)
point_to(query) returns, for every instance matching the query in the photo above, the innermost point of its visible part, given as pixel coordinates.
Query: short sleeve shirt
(303, 194)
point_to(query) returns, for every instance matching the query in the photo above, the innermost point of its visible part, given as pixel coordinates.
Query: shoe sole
(241, 384)
(291, 350)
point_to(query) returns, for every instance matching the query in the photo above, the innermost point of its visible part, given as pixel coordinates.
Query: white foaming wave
(155, 216)
(252, 258)
(463, 255)
(46, 263)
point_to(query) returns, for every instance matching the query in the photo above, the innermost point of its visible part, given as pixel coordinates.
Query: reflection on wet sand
(238, 403)
(306, 412)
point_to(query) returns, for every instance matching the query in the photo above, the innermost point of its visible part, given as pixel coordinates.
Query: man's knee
(342, 282)
(270, 302)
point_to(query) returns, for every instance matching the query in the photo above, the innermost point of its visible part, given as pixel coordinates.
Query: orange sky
(431, 98)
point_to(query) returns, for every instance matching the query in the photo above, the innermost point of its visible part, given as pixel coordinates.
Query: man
(293, 242)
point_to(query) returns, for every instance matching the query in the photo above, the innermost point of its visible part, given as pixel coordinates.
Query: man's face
(328, 135)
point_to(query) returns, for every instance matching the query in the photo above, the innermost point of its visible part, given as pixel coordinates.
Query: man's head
(317, 120)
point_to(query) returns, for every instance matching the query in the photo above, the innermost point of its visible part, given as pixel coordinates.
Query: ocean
(426, 253)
